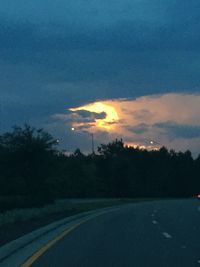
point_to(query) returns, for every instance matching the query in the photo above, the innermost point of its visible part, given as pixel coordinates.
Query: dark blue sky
(57, 54)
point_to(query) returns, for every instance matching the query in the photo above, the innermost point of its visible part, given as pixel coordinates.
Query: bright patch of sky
(59, 54)
(170, 120)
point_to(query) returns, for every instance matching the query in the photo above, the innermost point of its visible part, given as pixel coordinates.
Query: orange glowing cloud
(170, 119)
(106, 123)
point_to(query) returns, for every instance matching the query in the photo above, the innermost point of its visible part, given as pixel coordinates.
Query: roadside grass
(66, 207)
(18, 222)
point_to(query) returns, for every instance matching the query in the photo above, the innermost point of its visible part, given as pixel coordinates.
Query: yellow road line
(41, 251)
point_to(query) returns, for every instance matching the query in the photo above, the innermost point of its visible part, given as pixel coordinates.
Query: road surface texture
(158, 234)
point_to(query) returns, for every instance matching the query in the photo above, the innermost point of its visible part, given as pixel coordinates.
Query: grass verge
(16, 223)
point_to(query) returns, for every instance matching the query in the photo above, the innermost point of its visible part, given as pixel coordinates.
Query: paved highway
(157, 234)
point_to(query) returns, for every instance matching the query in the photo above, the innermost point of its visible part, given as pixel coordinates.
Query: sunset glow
(142, 146)
(147, 122)
(99, 107)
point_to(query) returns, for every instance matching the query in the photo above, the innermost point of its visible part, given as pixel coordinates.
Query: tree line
(34, 172)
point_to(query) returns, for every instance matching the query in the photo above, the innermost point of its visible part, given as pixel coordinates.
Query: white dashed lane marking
(167, 235)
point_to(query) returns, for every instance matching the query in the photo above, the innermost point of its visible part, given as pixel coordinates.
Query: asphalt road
(163, 234)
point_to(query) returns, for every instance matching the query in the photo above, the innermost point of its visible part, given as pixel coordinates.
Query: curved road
(157, 234)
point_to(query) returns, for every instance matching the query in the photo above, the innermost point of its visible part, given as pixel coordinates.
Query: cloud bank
(168, 119)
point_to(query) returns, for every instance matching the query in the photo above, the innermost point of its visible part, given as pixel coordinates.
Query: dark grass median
(20, 222)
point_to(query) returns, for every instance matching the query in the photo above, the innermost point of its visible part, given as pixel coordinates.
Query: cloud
(139, 129)
(114, 50)
(176, 130)
(91, 115)
(101, 50)
(131, 24)
(169, 119)
(142, 115)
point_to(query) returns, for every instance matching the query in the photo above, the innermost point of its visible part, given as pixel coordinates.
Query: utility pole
(92, 139)
(92, 135)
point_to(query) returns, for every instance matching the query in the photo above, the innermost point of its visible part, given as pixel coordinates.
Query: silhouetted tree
(30, 166)
(27, 154)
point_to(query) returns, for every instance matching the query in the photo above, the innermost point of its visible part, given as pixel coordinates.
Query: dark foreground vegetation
(33, 172)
